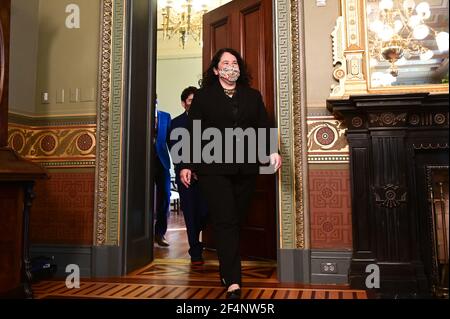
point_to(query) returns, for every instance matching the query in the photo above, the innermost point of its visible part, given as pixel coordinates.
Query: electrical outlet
(328, 268)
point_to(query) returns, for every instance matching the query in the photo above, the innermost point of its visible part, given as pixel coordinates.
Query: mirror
(407, 42)
(390, 46)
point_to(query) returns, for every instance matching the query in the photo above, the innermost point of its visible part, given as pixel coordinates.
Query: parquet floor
(171, 276)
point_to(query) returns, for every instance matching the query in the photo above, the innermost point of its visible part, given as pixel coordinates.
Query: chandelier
(398, 31)
(182, 18)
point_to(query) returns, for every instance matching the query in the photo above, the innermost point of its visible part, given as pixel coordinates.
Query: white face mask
(230, 73)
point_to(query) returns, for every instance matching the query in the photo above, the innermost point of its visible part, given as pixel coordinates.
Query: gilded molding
(101, 182)
(291, 113)
(54, 144)
(339, 62)
(300, 128)
(107, 184)
(107, 197)
(115, 123)
(352, 14)
(287, 221)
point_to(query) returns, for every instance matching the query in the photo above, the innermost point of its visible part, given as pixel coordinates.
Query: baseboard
(330, 266)
(294, 266)
(107, 261)
(64, 255)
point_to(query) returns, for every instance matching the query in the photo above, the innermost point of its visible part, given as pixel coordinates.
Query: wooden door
(246, 26)
(138, 191)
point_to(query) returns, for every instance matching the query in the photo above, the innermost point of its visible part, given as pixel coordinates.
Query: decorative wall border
(300, 128)
(285, 124)
(326, 140)
(62, 144)
(109, 124)
(291, 111)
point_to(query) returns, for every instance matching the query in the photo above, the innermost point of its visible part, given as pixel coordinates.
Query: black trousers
(228, 198)
(194, 210)
(162, 182)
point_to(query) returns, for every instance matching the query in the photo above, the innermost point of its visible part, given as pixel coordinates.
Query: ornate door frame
(290, 101)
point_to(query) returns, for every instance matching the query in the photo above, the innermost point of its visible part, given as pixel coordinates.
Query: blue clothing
(162, 172)
(162, 138)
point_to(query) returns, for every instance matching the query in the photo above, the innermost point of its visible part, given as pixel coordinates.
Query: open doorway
(180, 64)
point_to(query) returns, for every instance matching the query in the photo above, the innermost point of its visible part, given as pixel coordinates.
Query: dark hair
(209, 78)
(188, 91)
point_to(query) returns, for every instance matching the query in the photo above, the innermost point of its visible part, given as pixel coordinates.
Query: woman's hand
(185, 177)
(275, 161)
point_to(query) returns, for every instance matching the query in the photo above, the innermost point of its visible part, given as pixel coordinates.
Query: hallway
(177, 237)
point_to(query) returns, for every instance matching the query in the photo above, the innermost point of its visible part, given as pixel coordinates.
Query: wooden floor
(176, 236)
(171, 276)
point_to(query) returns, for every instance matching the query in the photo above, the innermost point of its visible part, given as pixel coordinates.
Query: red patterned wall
(63, 210)
(330, 203)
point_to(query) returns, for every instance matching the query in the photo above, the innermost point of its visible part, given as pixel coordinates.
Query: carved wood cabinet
(392, 140)
(17, 177)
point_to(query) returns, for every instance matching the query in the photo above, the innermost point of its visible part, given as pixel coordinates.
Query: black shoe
(234, 294)
(161, 241)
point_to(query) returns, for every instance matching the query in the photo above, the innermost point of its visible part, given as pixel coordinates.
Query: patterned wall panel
(55, 145)
(326, 140)
(330, 204)
(63, 209)
(283, 76)
(108, 182)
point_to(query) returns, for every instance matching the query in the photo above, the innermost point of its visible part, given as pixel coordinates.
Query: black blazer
(212, 106)
(181, 121)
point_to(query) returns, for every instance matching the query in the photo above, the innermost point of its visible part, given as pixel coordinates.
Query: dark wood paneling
(220, 38)
(392, 138)
(252, 43)
(17, 177)
(360, 200)
(11, 206)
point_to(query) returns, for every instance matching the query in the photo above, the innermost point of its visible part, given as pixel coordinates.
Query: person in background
(192, 204)
(162, 175)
